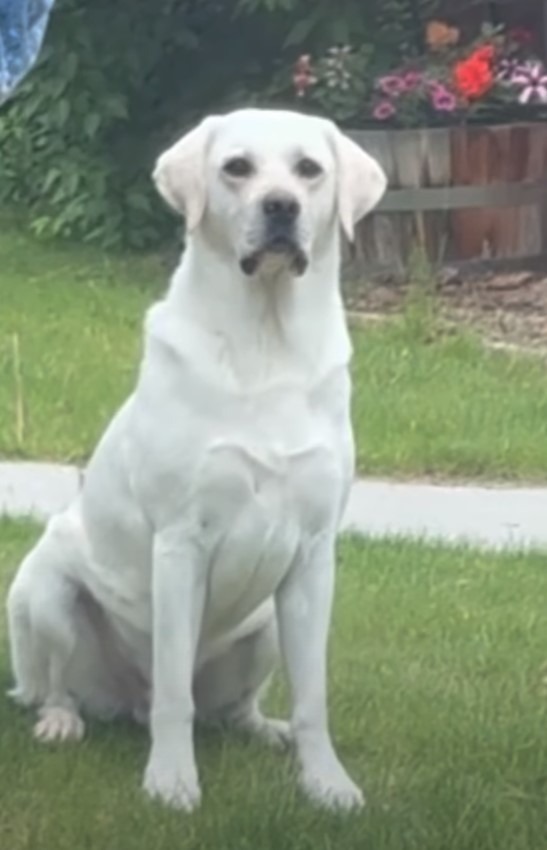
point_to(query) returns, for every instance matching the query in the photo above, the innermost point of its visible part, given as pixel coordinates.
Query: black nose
(280, 208)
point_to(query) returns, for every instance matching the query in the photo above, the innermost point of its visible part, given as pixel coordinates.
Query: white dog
(207, 521)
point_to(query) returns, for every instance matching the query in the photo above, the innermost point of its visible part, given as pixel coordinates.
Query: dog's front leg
(304, 604)
(178, 591)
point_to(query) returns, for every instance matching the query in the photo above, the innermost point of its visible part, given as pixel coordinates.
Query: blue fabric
(22, 28)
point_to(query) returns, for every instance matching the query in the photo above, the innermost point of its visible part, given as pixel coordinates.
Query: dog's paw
(58, 724)
(332, 789)
(275, 733)
(172, 786)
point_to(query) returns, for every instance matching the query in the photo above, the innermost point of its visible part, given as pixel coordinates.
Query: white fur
(209, 512)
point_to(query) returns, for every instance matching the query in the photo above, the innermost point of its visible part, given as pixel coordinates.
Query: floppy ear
(179, 174)
(361, 182)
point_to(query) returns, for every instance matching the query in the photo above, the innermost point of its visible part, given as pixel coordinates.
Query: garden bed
(508, 310)
(459, 127)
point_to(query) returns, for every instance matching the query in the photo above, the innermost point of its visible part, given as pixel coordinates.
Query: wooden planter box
(465, 194)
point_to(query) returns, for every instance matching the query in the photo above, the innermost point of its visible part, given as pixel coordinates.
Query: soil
(509, 310)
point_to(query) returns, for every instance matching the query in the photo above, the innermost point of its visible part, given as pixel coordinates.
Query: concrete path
(484, 516)
(36, 490)
(498, 517)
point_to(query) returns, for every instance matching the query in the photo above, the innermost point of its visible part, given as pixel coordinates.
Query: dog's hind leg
(30, 675)
(228, 687)
(43, 630)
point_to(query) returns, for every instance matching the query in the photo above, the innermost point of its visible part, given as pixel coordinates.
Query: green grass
(438, 704)
(70, 336)
(446, 406)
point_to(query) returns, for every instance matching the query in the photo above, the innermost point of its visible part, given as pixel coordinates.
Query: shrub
(117, 81)
(114, 83)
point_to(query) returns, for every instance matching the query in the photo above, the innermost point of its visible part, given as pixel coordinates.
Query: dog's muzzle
(280, 216)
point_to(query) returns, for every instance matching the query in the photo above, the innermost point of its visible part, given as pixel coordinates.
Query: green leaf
(40, 225)
(187, 38)
(52, 175)
(62, 112)
(72, 182)
(92, 122)
(70, 66)
(116, 107)
(138, 201)
(301, 31)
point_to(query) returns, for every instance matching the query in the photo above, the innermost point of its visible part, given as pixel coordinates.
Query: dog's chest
(270, 482)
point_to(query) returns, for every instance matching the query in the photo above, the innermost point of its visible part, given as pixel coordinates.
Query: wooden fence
(465, 194)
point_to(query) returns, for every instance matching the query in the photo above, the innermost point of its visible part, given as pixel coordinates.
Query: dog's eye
(308, 168)
(238, 166)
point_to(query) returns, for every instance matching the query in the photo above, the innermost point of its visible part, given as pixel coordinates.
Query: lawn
(439, 707)
(445, 406)
(424, 404)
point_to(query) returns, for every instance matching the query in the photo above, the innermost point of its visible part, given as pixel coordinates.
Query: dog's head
(269, 185)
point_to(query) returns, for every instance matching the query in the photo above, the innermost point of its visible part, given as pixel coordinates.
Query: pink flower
(303, 77)
(531, 78)
(442, 99)
(435, 86)
(383, 110)
(393, 85)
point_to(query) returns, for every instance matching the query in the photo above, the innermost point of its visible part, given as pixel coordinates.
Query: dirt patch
(509, 310)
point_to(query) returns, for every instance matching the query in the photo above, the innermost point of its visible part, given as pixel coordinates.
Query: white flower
(531, 77)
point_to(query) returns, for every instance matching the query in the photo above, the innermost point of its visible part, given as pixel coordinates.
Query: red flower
(484, 53)
(520, 35)
(473, 76)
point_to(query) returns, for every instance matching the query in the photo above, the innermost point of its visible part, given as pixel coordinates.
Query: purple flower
(505, 70)
(383, 110)
(393, 85)
(531, 78)
(412, 80)
(442, 99)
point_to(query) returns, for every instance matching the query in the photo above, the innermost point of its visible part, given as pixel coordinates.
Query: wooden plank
(379, 145)
(472, 165)
(463, 197)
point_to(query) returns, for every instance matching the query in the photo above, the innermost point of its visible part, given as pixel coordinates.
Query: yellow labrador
(207, 522)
